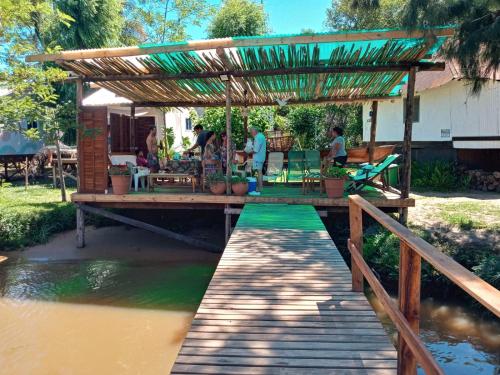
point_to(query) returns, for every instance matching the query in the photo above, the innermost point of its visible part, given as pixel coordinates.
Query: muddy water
(461, 340)
(124, 312)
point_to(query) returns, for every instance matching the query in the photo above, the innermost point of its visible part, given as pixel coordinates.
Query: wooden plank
(281, 298)
(373, 131)
(356, 237)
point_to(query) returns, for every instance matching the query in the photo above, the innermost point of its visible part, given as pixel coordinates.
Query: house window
(32, 125)
(416, 109)
(188, 124)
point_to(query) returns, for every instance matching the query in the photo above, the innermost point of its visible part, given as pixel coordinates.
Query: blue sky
(285, 16)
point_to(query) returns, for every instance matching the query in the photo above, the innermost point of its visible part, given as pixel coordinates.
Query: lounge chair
(295, 165)
(274, 166)
(368, 172)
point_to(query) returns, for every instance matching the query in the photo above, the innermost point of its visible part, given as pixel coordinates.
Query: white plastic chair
(138, 173)
(274, 166)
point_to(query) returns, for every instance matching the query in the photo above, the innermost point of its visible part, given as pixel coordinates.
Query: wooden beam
(80, 227)
(260, 103)
(401, 67)
(132, 128)
(149, 227)
(406, 173)
(356, 237)
(373, 131)
(79, 102)
(228, 137)
(195, 45)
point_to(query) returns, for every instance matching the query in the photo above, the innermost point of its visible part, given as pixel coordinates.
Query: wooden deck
(280, 302)
(176, 196)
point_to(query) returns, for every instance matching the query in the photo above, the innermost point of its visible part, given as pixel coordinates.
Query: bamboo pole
(228, 137)
(79, 100)
(406, 173)
(373, 131)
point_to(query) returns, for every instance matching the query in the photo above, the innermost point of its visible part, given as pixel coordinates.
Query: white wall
(176, 119)
(446, 107)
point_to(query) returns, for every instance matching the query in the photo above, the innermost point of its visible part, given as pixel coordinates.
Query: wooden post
(356, 237)
(26, 171)
(79, 100)
(80, 227)
(228, 136)
(409, 303)
(406, 173)
(373, 131)
(227, 223)
(132, 128)
(60, 169)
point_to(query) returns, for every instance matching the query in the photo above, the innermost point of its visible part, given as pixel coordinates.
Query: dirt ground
(468, 219)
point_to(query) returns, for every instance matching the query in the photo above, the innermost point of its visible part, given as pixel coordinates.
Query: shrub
(438, 175)
(336, 172)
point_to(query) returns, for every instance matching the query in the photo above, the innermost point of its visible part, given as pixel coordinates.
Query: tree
(342, 15)
(158, 21)
(239, 18)
(475, 44)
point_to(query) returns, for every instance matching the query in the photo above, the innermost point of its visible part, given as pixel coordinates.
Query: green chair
(312, 169)
(368, 172)
(295, 166)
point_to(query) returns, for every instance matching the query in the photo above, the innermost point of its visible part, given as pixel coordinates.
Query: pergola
(354, 66)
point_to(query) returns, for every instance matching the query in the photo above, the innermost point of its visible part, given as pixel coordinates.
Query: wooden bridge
(281, 302)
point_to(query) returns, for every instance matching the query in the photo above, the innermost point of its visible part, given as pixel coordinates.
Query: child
(140, 160)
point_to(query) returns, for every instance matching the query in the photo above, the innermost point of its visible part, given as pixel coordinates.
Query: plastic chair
(295, 165)
(138, 173)
(274, 166)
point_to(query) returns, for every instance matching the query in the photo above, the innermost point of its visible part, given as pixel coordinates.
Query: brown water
(461, 340)
(123, 312)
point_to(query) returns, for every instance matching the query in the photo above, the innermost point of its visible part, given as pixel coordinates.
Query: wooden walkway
(280, 302)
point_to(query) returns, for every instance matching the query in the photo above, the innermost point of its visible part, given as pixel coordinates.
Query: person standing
(201, 139)
(338, 153)
(151, 143)
(259, 155)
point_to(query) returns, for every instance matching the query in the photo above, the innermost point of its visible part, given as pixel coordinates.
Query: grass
(471, 215)
(30, 217)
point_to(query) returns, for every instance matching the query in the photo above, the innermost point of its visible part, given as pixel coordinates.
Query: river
(124, 304)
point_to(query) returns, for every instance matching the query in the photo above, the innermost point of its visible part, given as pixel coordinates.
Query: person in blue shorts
(259, 155)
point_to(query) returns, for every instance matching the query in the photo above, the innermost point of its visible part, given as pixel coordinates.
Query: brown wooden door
(93, 150)
(120, 133)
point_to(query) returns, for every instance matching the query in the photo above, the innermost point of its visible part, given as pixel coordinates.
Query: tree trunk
(60, 169)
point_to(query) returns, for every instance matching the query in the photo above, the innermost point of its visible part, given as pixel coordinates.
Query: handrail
(477, 288)
(406, 319)
(423, 356)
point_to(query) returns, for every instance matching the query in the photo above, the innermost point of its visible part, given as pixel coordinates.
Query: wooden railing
(411, 350)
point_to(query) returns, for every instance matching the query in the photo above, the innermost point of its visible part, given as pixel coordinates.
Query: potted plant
(239, 185)
(120, 179)
(217, 183)
(334, 178)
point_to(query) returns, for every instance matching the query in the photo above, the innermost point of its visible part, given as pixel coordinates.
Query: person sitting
(338, 153)
(140, 160)
(210, 154)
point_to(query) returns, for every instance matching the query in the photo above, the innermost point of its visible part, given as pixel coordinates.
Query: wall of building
(445, 112)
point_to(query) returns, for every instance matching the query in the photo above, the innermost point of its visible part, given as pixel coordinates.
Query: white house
(126, 139)
(449, 122)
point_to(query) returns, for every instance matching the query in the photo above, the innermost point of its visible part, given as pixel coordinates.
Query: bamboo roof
(326, 67)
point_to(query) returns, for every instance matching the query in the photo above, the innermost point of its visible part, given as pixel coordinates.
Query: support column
(227, 226)
(373, 131)
(80, 227)
(132, 128)
(229, 136)
(244, 112)
(26, 171)
(406, 172)
(79, 100)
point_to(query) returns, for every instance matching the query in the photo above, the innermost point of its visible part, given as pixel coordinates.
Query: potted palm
(239, 185)
(120, 179)
(217, 183)
(334, 178)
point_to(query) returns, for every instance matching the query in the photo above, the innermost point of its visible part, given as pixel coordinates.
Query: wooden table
(165, 176)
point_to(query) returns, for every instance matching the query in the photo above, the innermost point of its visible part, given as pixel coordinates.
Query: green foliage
(342, 15)
(214, 178)
(307, 123)
(336, 172)
(239, 180)
(31, 217)
(239, 18)
(489, 269)
(118, 170)
(186, 143)
(438, 175)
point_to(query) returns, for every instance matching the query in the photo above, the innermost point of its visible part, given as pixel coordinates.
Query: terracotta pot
(334, 187)
(121, 184)
(240, 188)
(218, 188)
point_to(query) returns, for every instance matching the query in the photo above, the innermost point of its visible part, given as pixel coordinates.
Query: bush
(31, 217)
(438, 175)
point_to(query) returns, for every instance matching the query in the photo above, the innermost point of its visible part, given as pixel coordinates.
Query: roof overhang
(305, 68)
